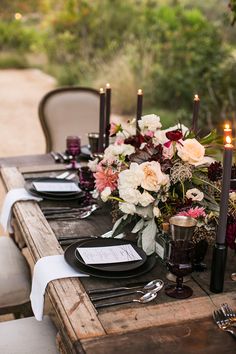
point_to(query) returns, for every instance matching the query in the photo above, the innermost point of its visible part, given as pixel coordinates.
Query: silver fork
(229, 313)
(223, 323)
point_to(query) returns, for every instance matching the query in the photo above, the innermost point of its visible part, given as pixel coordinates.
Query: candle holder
(220, 250)
(218, 268)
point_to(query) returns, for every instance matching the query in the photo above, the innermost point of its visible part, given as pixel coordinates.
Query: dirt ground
(20, 93)
(20, 130)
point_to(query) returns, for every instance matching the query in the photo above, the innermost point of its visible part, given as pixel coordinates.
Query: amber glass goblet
(180, 263)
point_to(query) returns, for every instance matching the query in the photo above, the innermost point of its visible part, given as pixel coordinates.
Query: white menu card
(56, 187)
(109, 254)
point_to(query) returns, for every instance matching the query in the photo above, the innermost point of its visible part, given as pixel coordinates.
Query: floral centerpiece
(154, 174)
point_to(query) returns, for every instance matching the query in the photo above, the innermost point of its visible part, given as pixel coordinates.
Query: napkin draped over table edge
(13, 196)
(45, 270)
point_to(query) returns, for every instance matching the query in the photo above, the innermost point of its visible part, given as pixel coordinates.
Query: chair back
(68, 111)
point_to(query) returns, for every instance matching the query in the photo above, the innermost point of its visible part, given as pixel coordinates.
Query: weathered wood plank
(195, 337)
(27, 160)
(129, 319)
(68, 296)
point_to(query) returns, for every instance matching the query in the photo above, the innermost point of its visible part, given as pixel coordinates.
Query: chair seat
(28, 336)
(14, 275)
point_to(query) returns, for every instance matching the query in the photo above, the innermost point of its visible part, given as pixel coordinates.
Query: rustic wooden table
(163, 326)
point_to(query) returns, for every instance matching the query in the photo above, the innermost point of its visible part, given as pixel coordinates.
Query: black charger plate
(112, 267)
(73, 262)
(29, 186)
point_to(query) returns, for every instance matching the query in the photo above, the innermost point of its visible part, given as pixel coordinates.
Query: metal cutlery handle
(107, 290)
(64, 157)
(110, 296)
(55, 156)
(107, 304)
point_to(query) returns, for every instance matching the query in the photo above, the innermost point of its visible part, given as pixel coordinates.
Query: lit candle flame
(140, 92)
(101, 90)
(196, 98)
(227, 127)
(108, 85)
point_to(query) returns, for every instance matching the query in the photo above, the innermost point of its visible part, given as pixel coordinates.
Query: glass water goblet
(180, 263)
(73, 148)
(93, 139)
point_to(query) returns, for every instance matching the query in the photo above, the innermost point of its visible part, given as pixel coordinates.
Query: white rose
(160, 137)
(156, 212)
(131, 177)
(149, 122)
(113, 151)
(130, 195)
(92, 164)
(105, 194)
(127, 208)
(191, 151)
(194, 194)
(145, 199)
(153, 177)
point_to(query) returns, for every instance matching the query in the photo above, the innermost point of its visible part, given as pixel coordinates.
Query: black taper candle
(220, 250)
(196, 104)
(101, 120)
(139, 108)
(108, 113)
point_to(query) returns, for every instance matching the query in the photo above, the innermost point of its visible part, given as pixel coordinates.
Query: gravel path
(20, 93)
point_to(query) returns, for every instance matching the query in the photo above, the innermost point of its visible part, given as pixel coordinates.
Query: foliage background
(171, 49)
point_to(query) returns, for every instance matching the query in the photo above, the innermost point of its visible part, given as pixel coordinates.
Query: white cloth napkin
(45, 270)
(14, 195)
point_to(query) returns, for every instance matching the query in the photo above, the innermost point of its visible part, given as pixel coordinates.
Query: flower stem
(116, 198)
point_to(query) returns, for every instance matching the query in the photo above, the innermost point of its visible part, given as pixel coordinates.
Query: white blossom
(105, 194)
(194, 194)
(127, 208)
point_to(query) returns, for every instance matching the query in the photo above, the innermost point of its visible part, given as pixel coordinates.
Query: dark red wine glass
(180, 263)
(73, 148)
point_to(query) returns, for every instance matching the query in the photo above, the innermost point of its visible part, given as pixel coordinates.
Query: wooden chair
(68, 111)
(28, 336)
(15, 281)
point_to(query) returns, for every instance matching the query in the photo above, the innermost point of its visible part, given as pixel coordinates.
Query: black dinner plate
(29, 186)
(73, 262)
(112, 267)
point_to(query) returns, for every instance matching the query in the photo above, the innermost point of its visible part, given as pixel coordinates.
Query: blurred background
(171, 49)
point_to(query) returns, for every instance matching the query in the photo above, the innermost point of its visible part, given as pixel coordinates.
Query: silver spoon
(142, 300)
(89, 212)
(150, 285)
(157, 286)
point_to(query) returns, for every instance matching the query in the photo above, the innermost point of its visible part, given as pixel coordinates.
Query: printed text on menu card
(109, 254)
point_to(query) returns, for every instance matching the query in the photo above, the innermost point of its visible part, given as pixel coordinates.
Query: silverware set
(225, 318)
(65, 175)
(61, 157)
(69, 213)
(148, 293)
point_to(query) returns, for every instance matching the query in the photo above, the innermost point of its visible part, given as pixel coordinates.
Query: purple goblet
(73, 148)
(180, 263)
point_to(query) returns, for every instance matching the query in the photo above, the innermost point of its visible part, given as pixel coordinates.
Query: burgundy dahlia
(231, 234)
(135, 140)
(215, 171)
